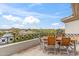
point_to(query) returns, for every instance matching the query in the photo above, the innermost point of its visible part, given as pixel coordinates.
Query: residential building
(6, 38)
(72, 22)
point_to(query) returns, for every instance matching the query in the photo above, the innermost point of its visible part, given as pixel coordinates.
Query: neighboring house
(72, 22)
(24, 32)
(6, 38)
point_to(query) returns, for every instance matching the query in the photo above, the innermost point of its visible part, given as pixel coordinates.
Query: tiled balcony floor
(37, 51)
(34, 51)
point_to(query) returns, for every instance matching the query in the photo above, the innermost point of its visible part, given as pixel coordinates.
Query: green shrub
(36, 33)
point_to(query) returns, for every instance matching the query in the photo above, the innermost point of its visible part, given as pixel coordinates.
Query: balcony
(28, 48)
(37, 51)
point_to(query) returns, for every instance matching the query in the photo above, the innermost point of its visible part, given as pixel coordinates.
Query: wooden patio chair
(51, 42)
(66, 42)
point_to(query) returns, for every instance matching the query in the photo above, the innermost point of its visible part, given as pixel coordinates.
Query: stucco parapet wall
(70, 18)
(10, 49)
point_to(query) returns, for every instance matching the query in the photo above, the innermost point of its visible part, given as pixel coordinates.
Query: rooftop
(7, 35)
(74, 16)
(70, 18)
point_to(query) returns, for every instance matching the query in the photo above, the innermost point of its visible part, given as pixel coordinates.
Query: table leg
(75, 48)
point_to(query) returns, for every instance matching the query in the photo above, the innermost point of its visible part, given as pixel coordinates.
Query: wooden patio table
(58, 41)
(74, 42)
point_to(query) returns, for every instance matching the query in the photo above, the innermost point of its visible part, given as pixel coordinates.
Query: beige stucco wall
(72, 27)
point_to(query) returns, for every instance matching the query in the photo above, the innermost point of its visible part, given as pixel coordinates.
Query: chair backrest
(51, 40)
(65, 41)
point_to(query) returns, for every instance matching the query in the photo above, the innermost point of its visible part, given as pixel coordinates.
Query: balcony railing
(13, 48)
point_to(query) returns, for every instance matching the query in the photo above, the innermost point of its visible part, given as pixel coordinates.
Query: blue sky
(30, 15)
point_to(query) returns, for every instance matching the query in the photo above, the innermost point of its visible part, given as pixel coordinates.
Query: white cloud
(31, 20)
(58, 25)
(55, 24)
(11, 18)
(27, 22)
